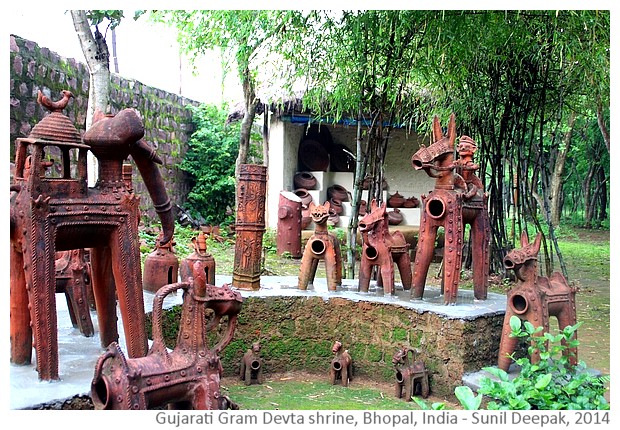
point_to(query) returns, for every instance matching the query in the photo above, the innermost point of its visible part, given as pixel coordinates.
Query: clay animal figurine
(382, 249)
(189, 376)
(252, 365)
(410, 374)
(51, 213)
(324, 246)
(451, 203)
(341, 366)
(535, 299)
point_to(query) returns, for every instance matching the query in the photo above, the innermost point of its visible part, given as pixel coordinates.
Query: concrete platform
(78, 354)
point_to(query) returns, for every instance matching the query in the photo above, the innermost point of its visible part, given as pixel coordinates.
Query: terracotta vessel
(395, 217)
(303, 195)
(396, 200)
(305, 180)
(338, 192)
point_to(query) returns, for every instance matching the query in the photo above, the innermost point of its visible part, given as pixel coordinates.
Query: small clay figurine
(342, 365)
(252, 366)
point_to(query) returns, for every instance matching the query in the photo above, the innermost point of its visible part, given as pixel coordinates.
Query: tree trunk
(589, 201)
(266, 135)
(601, 124)
(97, 60)
(557, 179)
(249, 96)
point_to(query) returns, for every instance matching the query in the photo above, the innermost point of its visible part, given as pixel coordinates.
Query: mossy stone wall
(167, 120)
(298, 333)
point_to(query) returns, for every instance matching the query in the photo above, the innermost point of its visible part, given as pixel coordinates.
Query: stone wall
(297, 333)
(166, 117)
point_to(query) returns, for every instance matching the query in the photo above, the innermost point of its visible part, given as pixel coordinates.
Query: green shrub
(551, 384)
(210, 163)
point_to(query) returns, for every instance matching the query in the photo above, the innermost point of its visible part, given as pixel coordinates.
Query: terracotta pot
(333, 218)
(396, 200)
(336, 205)
(411, 202)
(368, 179)
(305, 180)
(338, 192)
(306, 219)
(395, 217)
(363, 207)
(312, 155)
(304, 195)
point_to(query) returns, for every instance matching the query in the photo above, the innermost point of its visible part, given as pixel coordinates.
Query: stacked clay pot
(395, 217)
(396, 200)
(338, 192)
(305, 180)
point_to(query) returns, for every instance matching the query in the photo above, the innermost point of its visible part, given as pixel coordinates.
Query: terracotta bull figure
(57, 213)
(321, 246)
(452, 203)
(382, 249)
(189, 376)
(535, 299)
(342, 365)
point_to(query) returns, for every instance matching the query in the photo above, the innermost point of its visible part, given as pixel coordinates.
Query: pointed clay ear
(437, 134)
(373, 205)
(536, 244)
(327, 206)
(525, 240)
(452, 129)
(311, 206)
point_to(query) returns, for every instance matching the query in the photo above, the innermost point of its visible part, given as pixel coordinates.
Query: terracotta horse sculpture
(382, 249)
(341, 366)
(57, 213)
(453, 202)
(410, 374)
(535, 299)
(252, 365)
(322, 245)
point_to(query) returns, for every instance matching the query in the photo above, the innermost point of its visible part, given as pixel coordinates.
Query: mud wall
(298, 333)
(166, 117)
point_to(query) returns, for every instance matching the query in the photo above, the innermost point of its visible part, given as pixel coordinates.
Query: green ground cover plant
(550, 384)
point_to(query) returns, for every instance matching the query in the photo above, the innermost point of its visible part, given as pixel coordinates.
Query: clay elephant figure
(189, 376)
(50, 214)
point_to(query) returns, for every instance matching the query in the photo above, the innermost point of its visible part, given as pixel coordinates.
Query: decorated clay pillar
(289, 224)
(250, 226)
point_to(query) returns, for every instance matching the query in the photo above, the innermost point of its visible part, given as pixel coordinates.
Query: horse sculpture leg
(403, 262)
(423, 257)
(453, 249)
(21, 332)
(307, 270)
(387, 275)
(365, 273)
(480, 244)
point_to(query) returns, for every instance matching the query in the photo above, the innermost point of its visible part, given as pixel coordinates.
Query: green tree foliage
(513, 78)
(210, 163)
